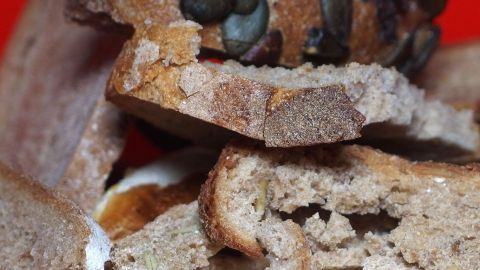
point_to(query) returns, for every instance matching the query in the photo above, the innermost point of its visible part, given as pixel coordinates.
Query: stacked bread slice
(290, 191)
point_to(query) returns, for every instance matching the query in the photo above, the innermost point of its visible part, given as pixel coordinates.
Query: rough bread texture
(174, 240)
(40, 229)
(437, 205)
(365, 40)
(302, 106)
(54, 124)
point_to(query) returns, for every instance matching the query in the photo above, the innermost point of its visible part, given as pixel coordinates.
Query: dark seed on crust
(241, 32)
(426, 40)
(398, 53)
(387, 19)
(337, 16)
(433, 7)
(245, 6)
(267, 50)
(204, 11)
(322, 44)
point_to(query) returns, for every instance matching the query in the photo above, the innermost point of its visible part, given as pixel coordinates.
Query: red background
(460, 21)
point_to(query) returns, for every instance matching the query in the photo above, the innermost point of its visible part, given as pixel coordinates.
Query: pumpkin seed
(204, 11)
(426, 40)
(337, 16)
(267, 50)
(245, 6)
(321, 43)
(241, 32)
(398, 53)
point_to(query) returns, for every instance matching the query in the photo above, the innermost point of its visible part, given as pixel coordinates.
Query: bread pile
(306, 135)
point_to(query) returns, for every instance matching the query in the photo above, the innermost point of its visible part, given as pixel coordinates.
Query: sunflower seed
(204, 11)
(337, 16)
(240, 32)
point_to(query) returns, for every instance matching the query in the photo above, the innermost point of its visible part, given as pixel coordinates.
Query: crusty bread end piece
(40, 229)
(437, 205)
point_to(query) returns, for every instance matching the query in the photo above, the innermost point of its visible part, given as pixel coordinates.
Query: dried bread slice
(437, 206)
(54, 122)
(158, 74)
(40, 229)
(174, 240)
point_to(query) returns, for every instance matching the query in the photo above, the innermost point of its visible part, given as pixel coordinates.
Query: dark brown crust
(217, 231)
(311, 116)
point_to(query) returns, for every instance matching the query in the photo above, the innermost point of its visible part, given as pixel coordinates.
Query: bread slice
(54, 122)
(436, 206)
(364, 40)
(157, 74)
(40, 229)
(174, 240)
(149, 191)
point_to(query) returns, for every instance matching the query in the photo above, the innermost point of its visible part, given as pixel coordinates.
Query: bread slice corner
(40, 229)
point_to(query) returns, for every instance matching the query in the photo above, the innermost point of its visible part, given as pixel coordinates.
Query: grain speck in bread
(40, 229)
(436, 204)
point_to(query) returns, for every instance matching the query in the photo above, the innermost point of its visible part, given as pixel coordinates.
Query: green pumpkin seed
(204, 11)
(245, 6)
(337, 16)
(241, 32)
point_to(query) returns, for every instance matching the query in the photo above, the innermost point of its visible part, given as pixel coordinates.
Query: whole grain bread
(174, 240)
(54, 122)
(433, 208)
(40, 229)
(158, 71)
(365, 42)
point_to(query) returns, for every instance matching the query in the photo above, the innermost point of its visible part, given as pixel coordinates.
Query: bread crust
(216, 230)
